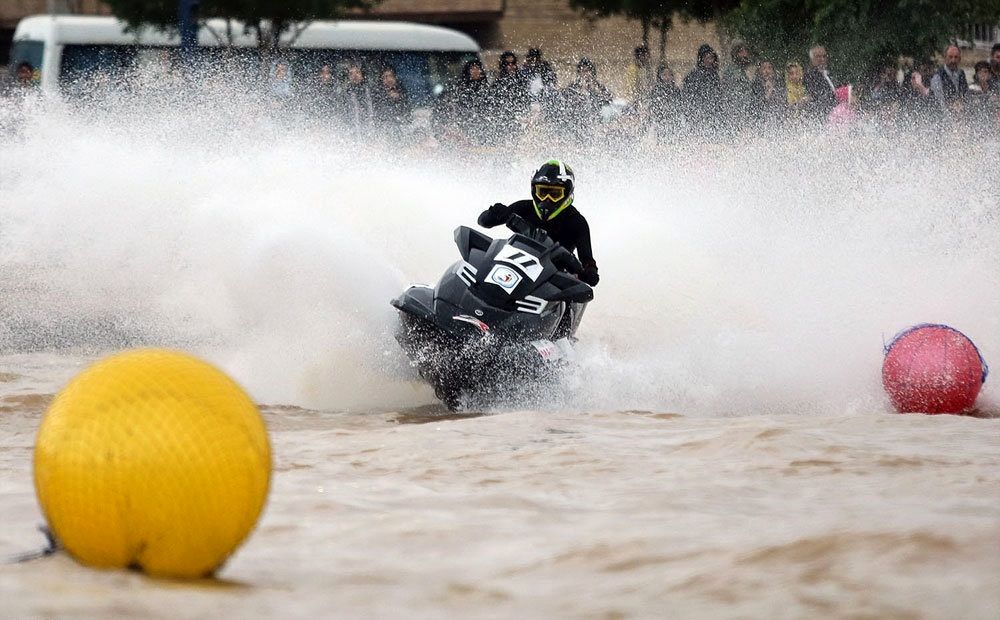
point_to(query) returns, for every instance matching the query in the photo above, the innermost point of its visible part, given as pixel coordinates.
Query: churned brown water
(421, 513)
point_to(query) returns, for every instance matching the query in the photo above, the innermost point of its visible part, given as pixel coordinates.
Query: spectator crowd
(713, 102)
(482, 108)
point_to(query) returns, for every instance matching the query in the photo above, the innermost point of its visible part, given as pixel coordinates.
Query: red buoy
(933, 369)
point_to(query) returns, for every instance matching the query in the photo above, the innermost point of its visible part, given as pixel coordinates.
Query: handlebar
(561, 257)
(519, 225)
(564, 259)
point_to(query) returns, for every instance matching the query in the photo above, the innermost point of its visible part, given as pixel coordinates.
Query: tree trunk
(262, 48)
(645, 32)
(725, 39)
(277, 27)
(664, 26)
(267, 37)
(297, 30)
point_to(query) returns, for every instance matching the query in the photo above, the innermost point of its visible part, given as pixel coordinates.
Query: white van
(66, 48)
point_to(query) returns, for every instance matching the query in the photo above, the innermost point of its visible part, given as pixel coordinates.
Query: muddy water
(421, 513)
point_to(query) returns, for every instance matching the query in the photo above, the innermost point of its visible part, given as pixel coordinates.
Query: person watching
(820, 85)
(949, 84)
(25, 74)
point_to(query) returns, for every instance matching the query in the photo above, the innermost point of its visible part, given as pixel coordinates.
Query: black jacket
(665, 106)
(391, 111)
(702, 96)
(465, 106)
(509, 104)
(819, 90)
(569, 229)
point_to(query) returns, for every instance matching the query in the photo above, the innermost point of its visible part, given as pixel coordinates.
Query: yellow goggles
(552, 193)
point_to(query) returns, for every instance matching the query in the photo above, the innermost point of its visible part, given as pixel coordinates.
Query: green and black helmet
(552, 189)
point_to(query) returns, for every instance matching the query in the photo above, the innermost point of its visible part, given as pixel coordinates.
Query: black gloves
(499, 211)
(590, 275)
(494, 216)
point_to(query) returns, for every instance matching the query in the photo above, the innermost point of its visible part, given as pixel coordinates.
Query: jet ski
(500, 321)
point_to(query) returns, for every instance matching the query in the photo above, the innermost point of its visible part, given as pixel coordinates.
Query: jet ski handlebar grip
(564, 259)
(517, 224)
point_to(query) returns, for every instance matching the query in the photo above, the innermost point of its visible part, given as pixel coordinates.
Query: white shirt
(826, 74)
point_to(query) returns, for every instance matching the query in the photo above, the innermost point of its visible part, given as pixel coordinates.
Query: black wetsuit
(569, 229)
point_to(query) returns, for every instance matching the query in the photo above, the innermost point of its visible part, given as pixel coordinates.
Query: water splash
(758, 275)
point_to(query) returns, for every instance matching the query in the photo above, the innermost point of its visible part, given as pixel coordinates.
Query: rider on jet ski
(551, 208)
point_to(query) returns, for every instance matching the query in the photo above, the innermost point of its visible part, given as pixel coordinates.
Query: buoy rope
(52, 545)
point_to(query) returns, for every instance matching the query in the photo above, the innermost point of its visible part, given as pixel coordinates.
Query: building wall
(564, 35)
(448, 10)
(13, 10)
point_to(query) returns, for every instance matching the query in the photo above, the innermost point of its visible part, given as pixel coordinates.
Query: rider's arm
(586, 254)
(496, 215)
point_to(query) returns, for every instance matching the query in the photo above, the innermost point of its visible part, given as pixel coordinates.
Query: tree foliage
(860, 35)
(705, 10)
(657, 10)
(656, 13)
(269, 19)
(652, 14)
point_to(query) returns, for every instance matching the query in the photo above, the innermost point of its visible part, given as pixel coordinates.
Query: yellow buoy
(152, 459)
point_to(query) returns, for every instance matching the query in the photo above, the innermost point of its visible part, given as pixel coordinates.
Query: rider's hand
(590, 275)
(500, 211)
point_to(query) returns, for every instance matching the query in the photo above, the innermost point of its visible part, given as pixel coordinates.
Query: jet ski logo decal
(504, 277)
(528, 263)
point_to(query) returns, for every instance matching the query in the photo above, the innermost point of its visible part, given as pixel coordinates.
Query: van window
(26, 51)
(81, 63)
(421, 73)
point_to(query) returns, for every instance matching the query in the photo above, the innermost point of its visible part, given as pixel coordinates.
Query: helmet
(552, 189)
